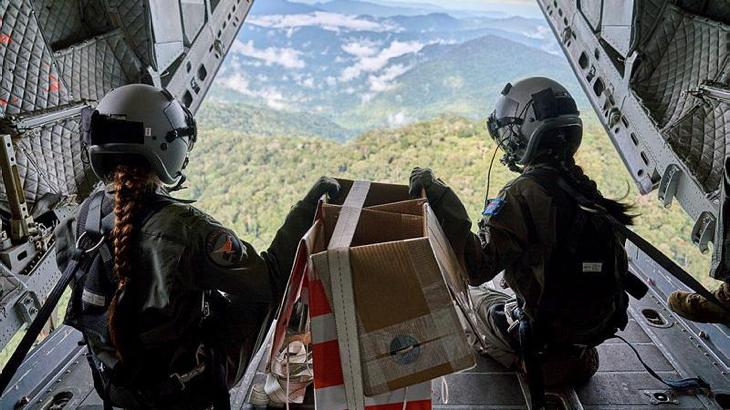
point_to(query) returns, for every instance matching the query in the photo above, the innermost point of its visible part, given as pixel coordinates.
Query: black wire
(688, 383)
(500, 144)
(489, 176)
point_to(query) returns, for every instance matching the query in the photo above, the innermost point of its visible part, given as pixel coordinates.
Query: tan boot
(694, 307)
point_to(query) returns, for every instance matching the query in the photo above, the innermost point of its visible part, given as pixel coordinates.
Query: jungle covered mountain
(363, 71)
(249, 182)
(313, 89)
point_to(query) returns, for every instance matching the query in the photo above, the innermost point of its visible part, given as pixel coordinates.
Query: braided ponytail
(132, 185)
(586, 186)
(553, 151)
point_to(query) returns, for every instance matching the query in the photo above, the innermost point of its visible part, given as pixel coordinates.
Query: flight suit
(180, 252)
(516, 235)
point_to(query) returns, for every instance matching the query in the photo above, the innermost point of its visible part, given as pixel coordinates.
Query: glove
(421, 178)
(325, 185)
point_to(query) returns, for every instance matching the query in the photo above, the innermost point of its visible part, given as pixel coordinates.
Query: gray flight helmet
(528, 112)
(138, 121)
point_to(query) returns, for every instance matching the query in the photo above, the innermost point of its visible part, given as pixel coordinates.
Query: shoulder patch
(224, 248)
(493, 207)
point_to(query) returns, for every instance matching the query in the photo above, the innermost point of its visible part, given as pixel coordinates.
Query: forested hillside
(249, 182)
(263, 121)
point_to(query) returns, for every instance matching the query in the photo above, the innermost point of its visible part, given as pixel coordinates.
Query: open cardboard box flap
(376, 226)
(378, 194)
(397, 267)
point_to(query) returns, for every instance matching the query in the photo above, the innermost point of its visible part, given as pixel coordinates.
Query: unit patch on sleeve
(224, 248)
(493, 207)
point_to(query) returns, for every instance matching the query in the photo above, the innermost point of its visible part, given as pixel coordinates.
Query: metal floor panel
(621, 381)
(674, 348)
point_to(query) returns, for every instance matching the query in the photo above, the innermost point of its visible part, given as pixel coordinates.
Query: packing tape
(422, 345)
(349, 215)
(343, 299)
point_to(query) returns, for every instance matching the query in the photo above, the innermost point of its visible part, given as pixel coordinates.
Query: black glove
(325, 185)
(421, 178)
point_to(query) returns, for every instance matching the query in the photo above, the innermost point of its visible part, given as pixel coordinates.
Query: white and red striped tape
(329, 387)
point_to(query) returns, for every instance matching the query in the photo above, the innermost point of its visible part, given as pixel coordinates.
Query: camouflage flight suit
(516, 235)
(180, 252)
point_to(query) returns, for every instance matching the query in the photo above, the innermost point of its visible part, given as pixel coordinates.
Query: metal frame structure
(599, 39)
(55, 62)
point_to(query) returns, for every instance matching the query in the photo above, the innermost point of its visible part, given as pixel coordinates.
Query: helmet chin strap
(510, 148)
(182, 179)
(511, 163)
(179, 186)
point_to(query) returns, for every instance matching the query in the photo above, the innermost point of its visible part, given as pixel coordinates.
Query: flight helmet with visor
(139, 121)
(528, 113)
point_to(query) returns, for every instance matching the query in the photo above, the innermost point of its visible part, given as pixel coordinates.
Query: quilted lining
(66, 22)
(134, 18)
(684, 51)
(650, 12)
(29, 81)
(50, 160)
(718, 10)
(61, 21)
(701, 140)
(95, 67)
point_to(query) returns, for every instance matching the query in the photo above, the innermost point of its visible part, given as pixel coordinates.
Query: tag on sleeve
(493, 207)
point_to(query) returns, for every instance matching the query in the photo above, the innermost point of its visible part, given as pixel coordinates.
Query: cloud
(541, 33)
(399, 120)
(361, 49)
(274, 98)
(285, 57)
(384, 81)
(327, 21)
(376, 62)
(307, 82)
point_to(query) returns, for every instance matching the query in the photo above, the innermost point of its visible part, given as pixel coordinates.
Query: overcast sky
(527, 8)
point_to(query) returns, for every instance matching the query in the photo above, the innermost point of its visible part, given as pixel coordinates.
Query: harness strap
(79, 259)
(177, 382)
(93, 223)
(531, 358)
(89, 218)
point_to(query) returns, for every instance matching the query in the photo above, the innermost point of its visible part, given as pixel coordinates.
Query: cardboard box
(388, 272)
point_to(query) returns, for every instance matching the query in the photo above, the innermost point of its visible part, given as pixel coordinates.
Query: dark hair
(586, 186)
(132, 185)
(555, 153)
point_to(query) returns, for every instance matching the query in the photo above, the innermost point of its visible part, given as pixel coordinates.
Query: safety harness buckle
(185, 378)
(93, 248)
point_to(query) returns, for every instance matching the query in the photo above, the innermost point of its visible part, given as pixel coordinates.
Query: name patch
(592, 267)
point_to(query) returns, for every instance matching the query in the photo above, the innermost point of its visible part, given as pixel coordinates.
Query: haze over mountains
(365, 64)
(312, 89)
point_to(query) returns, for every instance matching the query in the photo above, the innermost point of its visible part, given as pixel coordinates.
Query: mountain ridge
(462, 80)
